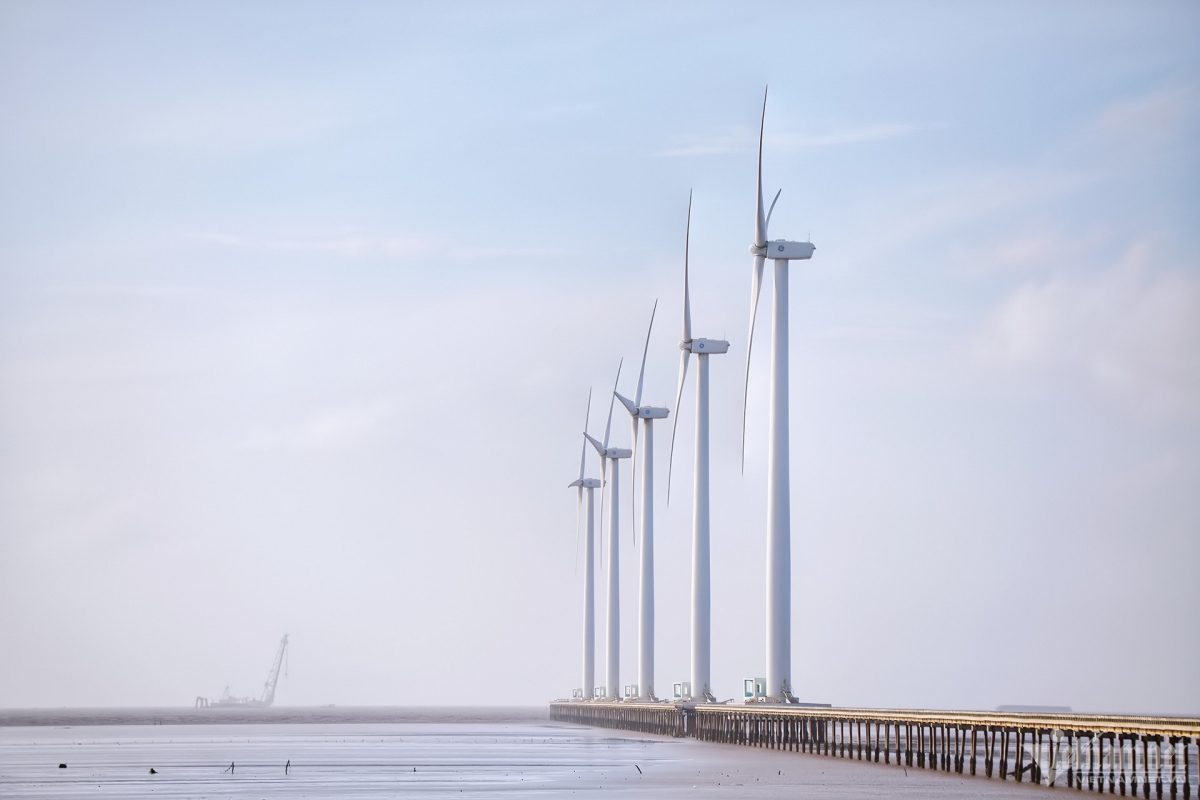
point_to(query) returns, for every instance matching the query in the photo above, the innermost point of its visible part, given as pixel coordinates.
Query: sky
(300, 306)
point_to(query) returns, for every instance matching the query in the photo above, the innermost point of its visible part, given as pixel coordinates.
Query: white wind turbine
(779, 523)
(647, 415)
(589, 561)
(701, 603)
(613, 618)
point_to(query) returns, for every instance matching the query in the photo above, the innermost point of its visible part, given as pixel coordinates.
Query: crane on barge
(268, 693)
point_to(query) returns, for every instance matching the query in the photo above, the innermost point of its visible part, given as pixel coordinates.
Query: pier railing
(663, 719)
(1150, 756)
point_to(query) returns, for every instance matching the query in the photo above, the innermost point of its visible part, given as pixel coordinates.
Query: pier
(1127, 755)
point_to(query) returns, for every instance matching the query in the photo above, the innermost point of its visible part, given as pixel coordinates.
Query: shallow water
(375, 760)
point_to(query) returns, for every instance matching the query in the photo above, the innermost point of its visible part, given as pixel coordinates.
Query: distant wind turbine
(701, 603)
(645, 454)
(612, 488)
(589, 561)
(779, 523)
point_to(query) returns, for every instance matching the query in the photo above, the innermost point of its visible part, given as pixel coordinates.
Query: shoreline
(275, 715)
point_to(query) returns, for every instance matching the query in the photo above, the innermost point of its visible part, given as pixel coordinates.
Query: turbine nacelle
(608, 452)
(642, 412)
(585, 483)
(783, 250)
(703, 346)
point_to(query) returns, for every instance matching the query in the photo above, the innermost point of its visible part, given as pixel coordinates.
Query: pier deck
(1130, 755)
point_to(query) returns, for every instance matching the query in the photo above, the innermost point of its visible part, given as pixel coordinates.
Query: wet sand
(435, 757)
(243, 715)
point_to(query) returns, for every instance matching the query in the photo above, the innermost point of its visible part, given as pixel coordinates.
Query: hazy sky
(300, 305)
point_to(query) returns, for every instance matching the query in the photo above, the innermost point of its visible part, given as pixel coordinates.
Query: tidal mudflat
(474, 754)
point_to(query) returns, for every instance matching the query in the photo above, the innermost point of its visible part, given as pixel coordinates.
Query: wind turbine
(613, 620)
(647, 415)
(589, 562)
(779, 504)
(701, 604)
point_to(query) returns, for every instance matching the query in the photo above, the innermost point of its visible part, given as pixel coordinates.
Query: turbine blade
(583, 454)
(587, 437)
(630, 406)
(687, 301)
(770, 211)
(760, 222)
(637, 397)
(683, 362)
(611, 400)
(760, 241)
(756, 287)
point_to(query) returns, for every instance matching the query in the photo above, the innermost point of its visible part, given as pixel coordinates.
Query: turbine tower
(613, 616)
(701, 602)
(589, 561)
(647, 415)
(779, 508)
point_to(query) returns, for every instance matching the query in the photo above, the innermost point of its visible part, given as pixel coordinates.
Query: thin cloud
(1024, 252)
(342, 427)
(743, 140)
(1162, 114)
(735, 141)
(873, 333)
(347, 245)
(254, 119)
(1134, 331)
(870, 133)
(378, 246)
(132, 290)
